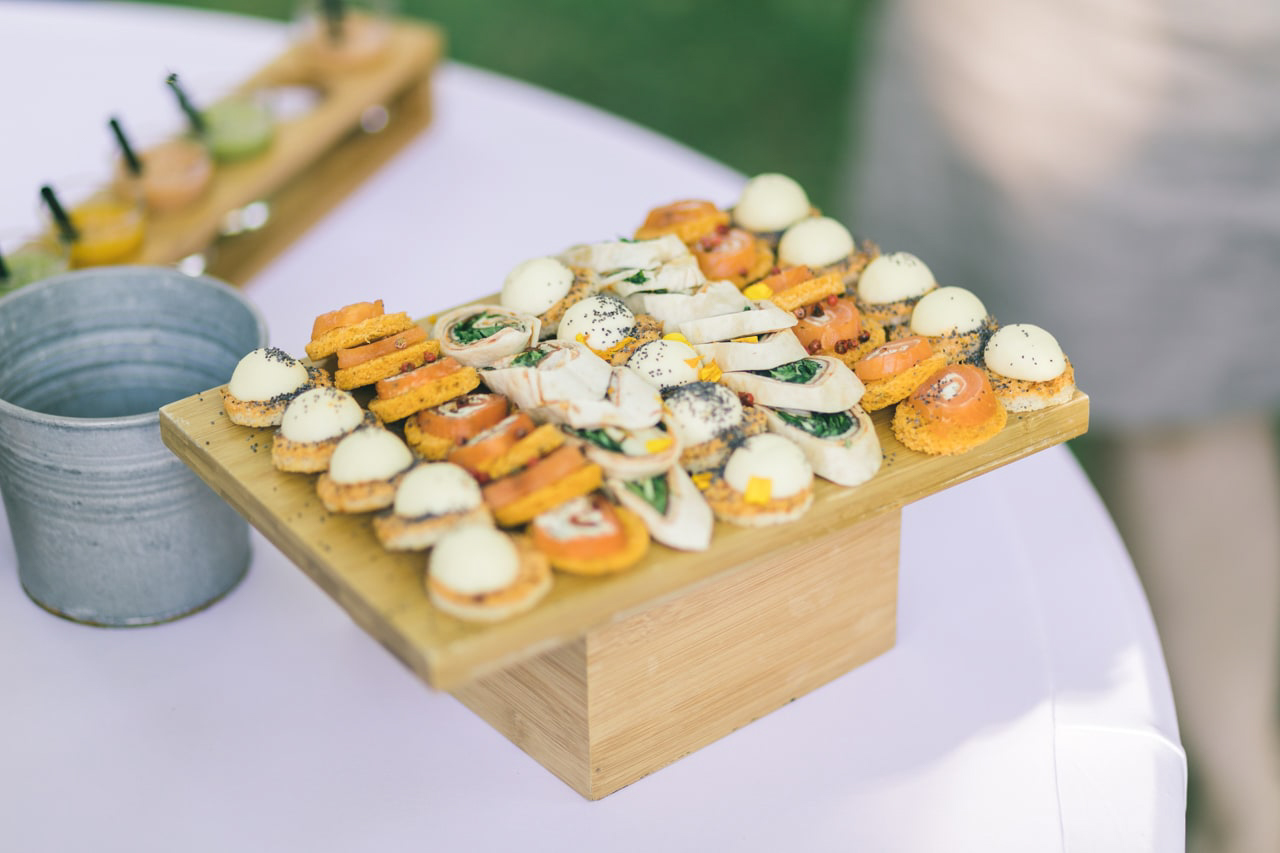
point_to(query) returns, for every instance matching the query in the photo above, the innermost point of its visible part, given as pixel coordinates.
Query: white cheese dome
(474, 559)
(436, 488)
(320, 414)
(771, 457)
(535, 285)
(702, 410)
(771, 202)
(265, 374)
(816, 242)
(666, 364)
(947, 310)
(1024, 351)
(893, 278)
(603, 321)
(367, 455)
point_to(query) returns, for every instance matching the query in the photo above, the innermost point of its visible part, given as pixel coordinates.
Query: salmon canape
(479, 574)
(827, 322)
(956, 323)
(954, 410)
(733, 254)
(508, 445)
(351, 326)
(1028, 369)
(264, 382)
(894, 369)
(364, 471)
(769, 204)
(687, 220)
(313, 424)
(430, 500)
(590, 536)
(825, 246)
(890, 287)
(421, 388)
(433, 433)
(767, 480)
(543, 484)
(366, 364)
(708, 419)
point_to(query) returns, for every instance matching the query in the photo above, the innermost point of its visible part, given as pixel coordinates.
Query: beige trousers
(1200, 511)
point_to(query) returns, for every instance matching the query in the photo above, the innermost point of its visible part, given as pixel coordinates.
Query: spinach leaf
(479, 326)
(653, 491)
(799, 372)
(528, 358)
(598, 437)
(820, 424)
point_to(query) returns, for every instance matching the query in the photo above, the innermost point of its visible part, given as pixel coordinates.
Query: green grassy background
(761, 85)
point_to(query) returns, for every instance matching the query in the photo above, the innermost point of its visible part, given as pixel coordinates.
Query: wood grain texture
(383, 591)
(315, 160)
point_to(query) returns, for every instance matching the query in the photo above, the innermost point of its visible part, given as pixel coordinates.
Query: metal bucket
(110, 528)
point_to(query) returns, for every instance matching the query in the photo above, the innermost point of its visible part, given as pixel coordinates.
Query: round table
(1025, 706)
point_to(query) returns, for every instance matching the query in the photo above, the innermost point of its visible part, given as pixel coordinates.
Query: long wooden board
(382, 591)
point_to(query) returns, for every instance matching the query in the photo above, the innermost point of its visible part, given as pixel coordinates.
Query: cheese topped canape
(708, 419)
(544, 288)
(1028, 369)
(604, 324)
(263, 383)
(430, 500)
(479, 574)
(767, 480)
(769, 204)
(825, 246)
(955, 321)
(666, 363)
(890, 287)
(313, 424)
(364, 471)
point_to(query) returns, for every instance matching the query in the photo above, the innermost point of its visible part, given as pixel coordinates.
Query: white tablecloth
(1025, 707)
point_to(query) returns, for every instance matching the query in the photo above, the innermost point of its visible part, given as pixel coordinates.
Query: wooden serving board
(315, 160)
(383, 592)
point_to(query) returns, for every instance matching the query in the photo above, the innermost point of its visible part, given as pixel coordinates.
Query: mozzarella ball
(367, 455)
(665, 364)
(771, 457)
(474, 559)
(1024, 351)
(265, 374)
(700, 411)
(602, 320)
(771, 202)
(320, 414)
(816, 242)
(436, 488)
(893, 278)
(535, 285)
(947, 310)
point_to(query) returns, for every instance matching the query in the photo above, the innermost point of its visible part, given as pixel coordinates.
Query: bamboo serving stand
(315, 160)
(611, 678)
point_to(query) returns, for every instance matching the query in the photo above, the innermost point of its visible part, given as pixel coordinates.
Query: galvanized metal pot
(110, 528)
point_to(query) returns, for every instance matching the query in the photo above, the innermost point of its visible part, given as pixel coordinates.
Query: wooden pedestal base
(634, 695)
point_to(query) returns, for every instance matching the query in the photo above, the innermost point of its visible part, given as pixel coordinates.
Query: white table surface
(1025, 707)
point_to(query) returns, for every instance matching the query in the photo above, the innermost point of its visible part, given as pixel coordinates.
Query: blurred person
(1110, 170)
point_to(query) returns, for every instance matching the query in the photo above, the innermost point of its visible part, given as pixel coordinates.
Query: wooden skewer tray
(315, 159)
(610, 678)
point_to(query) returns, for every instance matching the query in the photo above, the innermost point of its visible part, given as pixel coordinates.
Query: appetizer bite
(431, 499)
(753, 352)
(894, 369)
(604, 324)
(432, 384)
(757, 318)
(1027, 368)
(544, 483)
(769, 204)
(479, 335)
(364, 471)
(817, 383)
(667, 363)
(890, 287)
(366, 364)
(547, 373)
(711, 299)
(827, 323)
(767, 480)
(841, 446)
(434, 432)
(512, 443)
(629, 453)
(313, 424)
(708, 420)
(955, 322)
(353, 325)
(545, 288)
(686, 220)
(479, 574)
(954, 410)
(590, 536)
(825, 246)
(670, 505)
(733, 254)
(263, 383)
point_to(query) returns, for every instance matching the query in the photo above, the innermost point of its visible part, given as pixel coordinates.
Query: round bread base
(412, 356)
(731, 506)
(1024, 395)
(535, 445)
(442, 390)
(583, 286)
(368, 496)
(882, 393)
(357, 334)
(269, 413)
(635, 547)
(531, 585)
(943, 439)
(432, 447)
(397, 533)
(302, 457)
(963, 347)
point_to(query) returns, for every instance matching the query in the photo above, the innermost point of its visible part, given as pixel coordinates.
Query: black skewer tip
(60, 217)
(334, 12)
(184, 103)
(131, 160)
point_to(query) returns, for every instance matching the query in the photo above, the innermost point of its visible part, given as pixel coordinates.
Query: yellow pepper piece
(710, 373)
(749, 339)
(676, 336)
(657, 445)
(757, 291)
(759, 491)
(702, 480)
